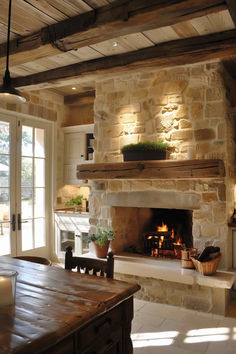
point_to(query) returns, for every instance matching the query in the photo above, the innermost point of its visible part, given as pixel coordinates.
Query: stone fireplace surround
(187, 107)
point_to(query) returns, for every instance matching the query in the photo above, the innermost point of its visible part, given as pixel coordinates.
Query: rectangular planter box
(144, 155)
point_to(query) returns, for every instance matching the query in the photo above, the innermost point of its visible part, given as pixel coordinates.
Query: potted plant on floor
(101, 240)
(145, 151)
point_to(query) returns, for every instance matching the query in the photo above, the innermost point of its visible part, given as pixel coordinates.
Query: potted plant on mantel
(145, 151)
(101, 240)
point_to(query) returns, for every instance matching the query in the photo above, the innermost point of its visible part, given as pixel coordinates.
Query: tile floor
(164, 329)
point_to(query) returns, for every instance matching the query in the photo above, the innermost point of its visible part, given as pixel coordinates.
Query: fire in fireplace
(168, 232)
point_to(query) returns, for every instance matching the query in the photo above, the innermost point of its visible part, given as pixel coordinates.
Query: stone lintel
(154, 199)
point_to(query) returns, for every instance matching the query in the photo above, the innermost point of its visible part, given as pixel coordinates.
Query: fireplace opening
(152, 232)
(168, 232)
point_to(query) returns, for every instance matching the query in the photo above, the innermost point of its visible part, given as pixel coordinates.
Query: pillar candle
(6, 293)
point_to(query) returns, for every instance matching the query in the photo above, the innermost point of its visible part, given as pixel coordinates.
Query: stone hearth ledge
(170, 270)
(213, 290)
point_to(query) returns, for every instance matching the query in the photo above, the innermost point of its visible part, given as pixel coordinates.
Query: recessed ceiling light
(114, 44)
(73, 88)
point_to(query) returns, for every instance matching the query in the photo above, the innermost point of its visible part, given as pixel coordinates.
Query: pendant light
(7, 92)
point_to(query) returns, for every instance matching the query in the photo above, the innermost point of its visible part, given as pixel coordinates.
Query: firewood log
(209, 253)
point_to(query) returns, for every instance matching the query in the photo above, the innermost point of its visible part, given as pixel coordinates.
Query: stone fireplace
(187, 107)
(152, 232)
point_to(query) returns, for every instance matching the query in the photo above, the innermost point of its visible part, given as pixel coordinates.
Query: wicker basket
(207, 268)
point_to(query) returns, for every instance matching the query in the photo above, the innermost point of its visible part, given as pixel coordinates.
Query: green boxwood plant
(102, 235)
(146, 146)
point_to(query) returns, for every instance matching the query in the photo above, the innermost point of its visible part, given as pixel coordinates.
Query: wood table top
(51, 303)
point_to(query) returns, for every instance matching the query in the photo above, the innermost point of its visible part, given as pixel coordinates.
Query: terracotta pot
(101, 251)
(144, 155)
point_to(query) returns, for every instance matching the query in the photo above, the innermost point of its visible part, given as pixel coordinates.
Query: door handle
(13, 222)
(19, 222)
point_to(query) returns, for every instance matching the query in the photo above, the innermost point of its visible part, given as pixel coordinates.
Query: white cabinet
(71, 229)
(76, 150)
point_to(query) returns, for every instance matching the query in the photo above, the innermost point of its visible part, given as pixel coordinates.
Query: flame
(161, 240)
(163, 227)
(173, 233)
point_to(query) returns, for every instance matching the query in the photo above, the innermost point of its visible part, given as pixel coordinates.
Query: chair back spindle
(99, 267)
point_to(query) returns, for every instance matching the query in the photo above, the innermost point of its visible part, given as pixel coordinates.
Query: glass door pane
(33, 233)
(7, 135)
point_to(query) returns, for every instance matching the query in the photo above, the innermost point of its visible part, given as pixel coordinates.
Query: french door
(25, 186)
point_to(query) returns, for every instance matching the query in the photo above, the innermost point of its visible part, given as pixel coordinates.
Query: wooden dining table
(60, 311)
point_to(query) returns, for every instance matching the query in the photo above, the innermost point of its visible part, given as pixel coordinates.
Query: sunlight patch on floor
(141, 340)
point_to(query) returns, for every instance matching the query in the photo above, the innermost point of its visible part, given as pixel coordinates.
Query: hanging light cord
(8, 38)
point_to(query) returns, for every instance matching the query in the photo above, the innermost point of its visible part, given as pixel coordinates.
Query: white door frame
(50, 181)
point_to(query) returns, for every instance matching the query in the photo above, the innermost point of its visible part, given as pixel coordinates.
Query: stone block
(219, 214)
(161, 100)
(174, 87)
(140, 94)
(201, 216)
(157, 91)
(115, 186)
(168, 184)
(208, 197)
(185, 124)
(111, 144)
(113, 131)
(196, 110)
(196, 303)
(174, 99)
(221, 192)
(194, 94)
(215, 94)
(34, 99)
(214, 110)
(141, 185)
(201, 124)
(196, 230)
(128, 118)
(204, 147)
(131, 108)
(183, 185)
(221, 131)
(209, 230)
(204, 134)
(182, 135)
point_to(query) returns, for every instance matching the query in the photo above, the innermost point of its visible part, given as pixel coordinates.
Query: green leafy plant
(146, 146)
(75, 201)
(102, 235)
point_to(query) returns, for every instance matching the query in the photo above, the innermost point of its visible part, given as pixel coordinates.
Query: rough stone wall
(186, 107)
(194, 297)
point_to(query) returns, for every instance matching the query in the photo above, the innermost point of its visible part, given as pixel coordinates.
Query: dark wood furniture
(97, 266)
(59, 311)
(34, 259)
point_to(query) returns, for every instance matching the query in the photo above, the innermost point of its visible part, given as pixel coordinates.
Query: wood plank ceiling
(103, 28)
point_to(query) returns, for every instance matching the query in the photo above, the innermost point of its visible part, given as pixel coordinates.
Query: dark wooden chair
(99, 267)
(33, 259)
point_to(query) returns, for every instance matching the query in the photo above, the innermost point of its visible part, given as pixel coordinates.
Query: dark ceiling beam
(119, 18)
(231, 4)
(179, 52)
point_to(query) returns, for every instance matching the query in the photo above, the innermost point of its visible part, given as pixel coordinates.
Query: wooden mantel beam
(167, 169)
(179, 52)
(119, 18)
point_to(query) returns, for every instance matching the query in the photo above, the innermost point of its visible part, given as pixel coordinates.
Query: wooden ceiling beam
(231, 4)
(179, 52)
(119, 18)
